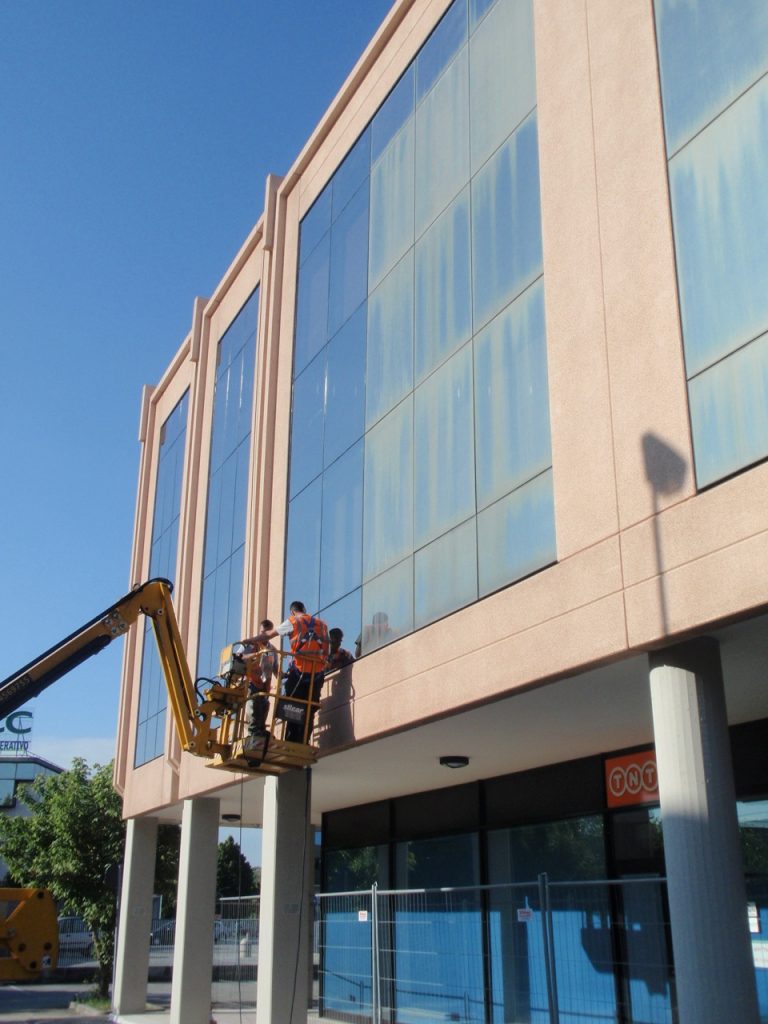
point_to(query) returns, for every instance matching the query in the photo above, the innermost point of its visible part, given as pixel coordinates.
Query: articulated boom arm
(209, 724)
(29, 933)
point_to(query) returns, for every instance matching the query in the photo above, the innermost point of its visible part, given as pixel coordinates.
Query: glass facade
(225, 525)
(15, 774)
(420, 474)
(714, 59)
(153, 693)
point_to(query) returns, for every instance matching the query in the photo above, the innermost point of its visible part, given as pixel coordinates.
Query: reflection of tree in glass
(566, 850)
(754, 847)
(350, 870)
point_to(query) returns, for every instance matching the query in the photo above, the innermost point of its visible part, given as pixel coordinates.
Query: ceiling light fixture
(454, 761)
(230, 817)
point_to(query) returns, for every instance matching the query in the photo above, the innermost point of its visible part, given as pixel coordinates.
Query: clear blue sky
(135, 139)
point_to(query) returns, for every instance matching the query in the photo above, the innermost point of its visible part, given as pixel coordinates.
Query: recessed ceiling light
(454, 761)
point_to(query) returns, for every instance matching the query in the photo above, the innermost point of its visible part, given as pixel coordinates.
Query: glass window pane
(506, 228)
(228, 474)
(391, 227)
(719, 183)
(342, 539)
(572, 850)
(729, 413)
(345, 386)
(352, 173)
(443, 288)
(442, 142)
(442, 861)
(312, 305)
(444, 463)
(314, 224)
(502, 77)
(302, 561)
(349, 260)
(307, 416)
(516, 536)
(439, 49)
(512, 398)
(240, 499)
(346, 615)
(234, 627)
(477, 9)
(388, 491)
(392, 115)
(387, 607)
(709, 53)
(389, 365)
(446, 574)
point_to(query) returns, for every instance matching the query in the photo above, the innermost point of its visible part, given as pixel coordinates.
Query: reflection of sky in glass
(516, 536)
(719, 187)
(729, 413)
(387, 606)
(153, 694)
(428, 232)
(710, 51)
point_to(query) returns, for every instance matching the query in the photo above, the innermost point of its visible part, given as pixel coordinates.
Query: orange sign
(632, 779)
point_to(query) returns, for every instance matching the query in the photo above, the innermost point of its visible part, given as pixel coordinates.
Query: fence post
(375, 977)
(549, 948)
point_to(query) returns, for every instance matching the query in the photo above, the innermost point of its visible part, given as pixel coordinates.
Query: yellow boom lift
(210, 715)
(29, 933)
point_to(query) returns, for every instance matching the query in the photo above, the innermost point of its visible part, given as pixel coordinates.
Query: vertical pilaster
(135, 922)
(284, 920)
(196, 905)
(714, 971)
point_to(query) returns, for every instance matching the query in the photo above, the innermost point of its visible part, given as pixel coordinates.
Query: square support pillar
(285, 924)
(135, 922)
(196, 906)
(714, 969)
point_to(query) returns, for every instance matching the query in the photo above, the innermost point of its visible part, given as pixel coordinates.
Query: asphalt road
(28, 1004)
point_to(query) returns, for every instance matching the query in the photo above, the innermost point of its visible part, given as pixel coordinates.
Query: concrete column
(285, 950)
(195, 909)
(135, 921)
(714, 969)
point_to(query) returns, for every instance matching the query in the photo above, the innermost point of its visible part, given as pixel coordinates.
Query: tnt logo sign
(631, 779)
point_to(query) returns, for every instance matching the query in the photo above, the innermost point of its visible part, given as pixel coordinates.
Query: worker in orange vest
(308, 637)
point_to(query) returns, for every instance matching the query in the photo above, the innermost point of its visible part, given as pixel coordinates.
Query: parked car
(75, 939)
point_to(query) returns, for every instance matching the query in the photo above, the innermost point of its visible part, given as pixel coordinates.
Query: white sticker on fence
(362, 915)
(524, 914)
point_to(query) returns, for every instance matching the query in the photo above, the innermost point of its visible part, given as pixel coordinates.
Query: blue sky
(136, 139)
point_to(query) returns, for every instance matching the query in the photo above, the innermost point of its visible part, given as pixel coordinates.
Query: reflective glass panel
(346, 615)
(388, 492)
(392, 115)
(440, 48)
(729, 413)
(352, 173)
(221, 598)
(719, 183)
(308, 417)
(342, 535)
(345, 386)
(502, 76)
(444, 464)
(391, 225)
(512, 398)
(506, 228)
(445, 574)
(443, 287)
(709, 52)
(315, 223)
(442, 142)
(477, 9)
(389, 365)
(302, 560)
(349, 260)
(153, 695)
(516, 536)
(312, 305)
(387, 607)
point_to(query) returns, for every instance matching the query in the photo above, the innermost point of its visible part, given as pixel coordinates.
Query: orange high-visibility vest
(309, 642)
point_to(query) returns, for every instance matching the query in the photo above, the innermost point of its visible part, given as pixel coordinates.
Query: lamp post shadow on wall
(666, 471)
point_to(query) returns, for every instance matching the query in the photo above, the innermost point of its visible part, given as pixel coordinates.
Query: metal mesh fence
(541, 953)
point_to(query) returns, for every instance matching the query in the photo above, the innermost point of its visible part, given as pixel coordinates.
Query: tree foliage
(234, 874)
(74, 833)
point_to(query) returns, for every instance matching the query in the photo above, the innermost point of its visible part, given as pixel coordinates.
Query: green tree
(74, 833)
(234, 874)
(167, 866)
